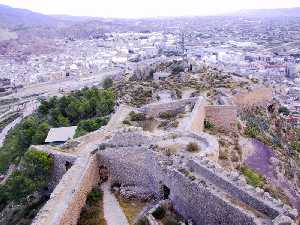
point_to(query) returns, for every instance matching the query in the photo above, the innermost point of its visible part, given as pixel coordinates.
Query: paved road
(113, 213)
(29, 109)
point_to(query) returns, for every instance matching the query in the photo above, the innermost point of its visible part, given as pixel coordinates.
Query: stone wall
(61, 162)
(196, 123)
(196, 202)
(178, 105)
(259, 96)
(227, 186)
(69, 196)
(223, 117)
(142, 167)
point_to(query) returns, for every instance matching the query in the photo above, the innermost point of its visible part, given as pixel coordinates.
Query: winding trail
(113, 213)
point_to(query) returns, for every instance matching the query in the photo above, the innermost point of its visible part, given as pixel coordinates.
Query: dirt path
(113, 213)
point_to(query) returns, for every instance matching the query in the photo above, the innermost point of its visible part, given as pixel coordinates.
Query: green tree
(40, 133)
(284, 110)
(107, 83)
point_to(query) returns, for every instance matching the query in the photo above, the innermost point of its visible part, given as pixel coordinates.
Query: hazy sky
(145, 8)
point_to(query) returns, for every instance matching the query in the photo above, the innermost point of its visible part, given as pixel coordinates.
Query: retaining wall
(196, 123)
(194, 201)
(259, 96)
(69, 196)
(223, 117)
(178, 105)
(234, 190)
(140, 167)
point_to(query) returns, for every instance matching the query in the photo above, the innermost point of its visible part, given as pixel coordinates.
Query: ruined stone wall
(259, 96)
(223, 117)
(234, 190)
(140, 167)
(59, 167)
(135, 166)
(196, 123)
(156, 108)
(202, 205)
(69, 196)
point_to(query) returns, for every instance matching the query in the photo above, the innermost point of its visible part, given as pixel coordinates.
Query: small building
(60, 135)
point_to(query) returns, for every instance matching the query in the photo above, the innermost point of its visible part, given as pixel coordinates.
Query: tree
(107, 83)
(284, 110)
(40, 133)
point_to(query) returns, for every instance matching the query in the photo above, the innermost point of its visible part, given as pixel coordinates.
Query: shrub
(126, 122)
(159, 213)
(107, 83)
(137, 116)
(252, 177)
(89, 125)
(252, 130)
(33, 175)
(167, 115)
(284, 110)
(94, 196)
(208, 125)
(192, 147)
(295, 146)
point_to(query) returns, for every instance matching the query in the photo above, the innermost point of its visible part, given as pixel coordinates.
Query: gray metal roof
(60, 134)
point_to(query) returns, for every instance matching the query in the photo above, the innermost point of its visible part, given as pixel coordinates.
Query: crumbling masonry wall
(223, 117)
(142, 167)
(203, 206)
(178, 105)
(259, 96)
(69, 196)
(235, 191)
(196, 123)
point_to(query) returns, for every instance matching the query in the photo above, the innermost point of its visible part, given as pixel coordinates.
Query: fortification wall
(135, 166)
(234, 190)
(69, 196)
(62, 160)
(156, 108)
(140, 167)
(194, 201)
(223, 117)
(196, 123)
(259, 96)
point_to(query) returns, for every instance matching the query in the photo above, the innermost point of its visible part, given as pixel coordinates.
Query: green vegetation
(92, 212)
(167, 115)
(208, 125)
(36, 169)
(87, 108)
(284, 111)
(192, 147)
(84, 104)
(272, 130)
(89, 125)
(252, 130)
(295, 145)
(32, 130)
(252, 177)
(107, 83)
(137, 116)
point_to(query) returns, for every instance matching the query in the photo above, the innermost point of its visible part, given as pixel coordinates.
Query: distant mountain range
(292, 12)
(13, 17)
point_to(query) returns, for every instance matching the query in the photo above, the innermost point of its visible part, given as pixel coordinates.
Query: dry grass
(193, 147)
(131, 208)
